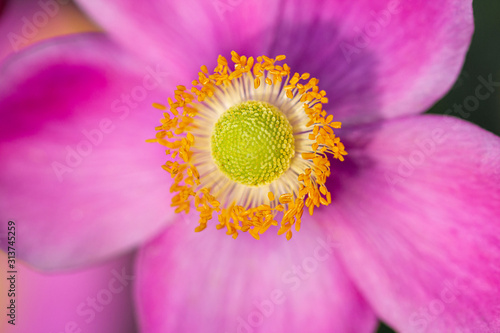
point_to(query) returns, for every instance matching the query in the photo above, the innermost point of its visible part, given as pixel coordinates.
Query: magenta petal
(375, 59)
(76, 175)
(97, 299)
(209, 282)
(417, 215)
(183, 35)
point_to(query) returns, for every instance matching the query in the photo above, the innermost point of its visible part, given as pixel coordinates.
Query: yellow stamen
(191, 108)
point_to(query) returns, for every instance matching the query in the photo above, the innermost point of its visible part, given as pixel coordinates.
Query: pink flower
(411, 235)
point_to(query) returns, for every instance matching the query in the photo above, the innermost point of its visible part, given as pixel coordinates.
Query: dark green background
(483, 59)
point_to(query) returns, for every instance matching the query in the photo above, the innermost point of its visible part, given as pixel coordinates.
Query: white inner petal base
(242, 90)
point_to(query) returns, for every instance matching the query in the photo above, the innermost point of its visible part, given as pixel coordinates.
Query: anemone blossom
(405, 229)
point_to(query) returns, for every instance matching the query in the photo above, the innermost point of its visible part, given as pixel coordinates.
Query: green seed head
(252, 143)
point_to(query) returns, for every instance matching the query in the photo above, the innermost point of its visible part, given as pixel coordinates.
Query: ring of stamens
(191, 112)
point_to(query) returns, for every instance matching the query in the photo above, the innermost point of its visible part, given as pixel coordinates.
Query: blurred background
(60, 295)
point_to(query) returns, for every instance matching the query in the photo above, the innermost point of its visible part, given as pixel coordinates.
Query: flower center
(247, 144)
(252, 143)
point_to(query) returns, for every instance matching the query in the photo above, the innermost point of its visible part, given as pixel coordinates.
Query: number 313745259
(11, 239)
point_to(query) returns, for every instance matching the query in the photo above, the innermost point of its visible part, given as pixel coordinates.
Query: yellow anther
(159, 106)
(285, 198)
(256, 82)
(308, 156)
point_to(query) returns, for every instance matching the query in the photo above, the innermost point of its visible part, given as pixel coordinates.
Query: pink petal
(185, 35)
(376, 59)
(209, 282)
(417, 215)
(98, 299)
(15, 31)
(25, 22)
(76, 175)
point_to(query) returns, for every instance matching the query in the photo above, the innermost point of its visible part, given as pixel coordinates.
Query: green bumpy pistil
(252, 143)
